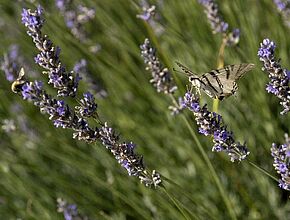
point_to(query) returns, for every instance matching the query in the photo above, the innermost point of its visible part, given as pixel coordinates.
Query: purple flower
(284, 7)
(75, 17)
(48, 58)
(279, 77)
(32, 20)
(88, 107)
(148, 12)
(11, 63)
(281, 163)
(64, 117)
(70, 211)
(94, 85)
(211, 123)
(217, 23)
(161, 77)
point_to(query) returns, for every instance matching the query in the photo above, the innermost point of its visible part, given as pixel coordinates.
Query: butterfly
(219, 83)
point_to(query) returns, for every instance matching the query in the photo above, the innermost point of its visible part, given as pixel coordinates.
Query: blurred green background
(40, 163)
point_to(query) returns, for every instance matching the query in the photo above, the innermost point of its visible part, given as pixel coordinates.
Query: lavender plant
(64, 116)
(279, 76)
(70, 211)
(10, 64)
(284, 7)
(75, 17)
(150, 16)
(161, 76)
(281, 155)
(212, 124)
(64, 81)
(217, 23)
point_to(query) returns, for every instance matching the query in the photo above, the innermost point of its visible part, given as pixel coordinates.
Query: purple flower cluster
(211, 123)
(65, 82)
(11, 63)
(284, 7)
(281, 155)
(279, 77)
(161, 76)
(94, 85)
(150, 16)
(148, 13)
(64, 116)
(75, 17)
(217, 23)
(70, 211)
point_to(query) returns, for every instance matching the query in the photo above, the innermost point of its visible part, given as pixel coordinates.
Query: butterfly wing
(187, 71)
(222, 82)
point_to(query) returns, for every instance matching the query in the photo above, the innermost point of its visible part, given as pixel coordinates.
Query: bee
(19, 82)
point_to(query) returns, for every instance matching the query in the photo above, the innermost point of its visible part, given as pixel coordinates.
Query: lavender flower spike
(70, 211)
(10, 63)
(211, 123)
(281, 155)
(75, 17)
(284, 7)
(161, 77)
(279, 76)
(48, 58)
(65, 117)
(217, 23)
(147, 13)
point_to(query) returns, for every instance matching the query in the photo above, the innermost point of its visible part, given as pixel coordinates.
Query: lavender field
(143, 109)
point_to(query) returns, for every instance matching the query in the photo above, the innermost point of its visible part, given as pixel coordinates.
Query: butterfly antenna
(178, 71)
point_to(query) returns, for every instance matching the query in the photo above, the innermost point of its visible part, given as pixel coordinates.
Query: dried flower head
(161, 76)
(279, 76)
(211, 124)
(281, 155)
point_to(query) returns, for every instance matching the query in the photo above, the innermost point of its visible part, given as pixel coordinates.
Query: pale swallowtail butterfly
(219, 83)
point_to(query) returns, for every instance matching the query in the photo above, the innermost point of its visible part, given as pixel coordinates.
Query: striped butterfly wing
(221, 83)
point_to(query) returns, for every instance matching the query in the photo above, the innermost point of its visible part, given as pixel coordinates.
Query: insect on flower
(219, 83)
(19, 82)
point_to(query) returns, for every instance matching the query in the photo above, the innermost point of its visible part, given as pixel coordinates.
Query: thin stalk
(262, 170)
(209, 164)
(220, 64)
(176, 204)
(212, 170)
(184, 193)
(204, 155)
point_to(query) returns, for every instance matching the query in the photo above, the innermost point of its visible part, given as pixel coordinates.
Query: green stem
(212, 170)
(262, 170)
(220, 64)
(176, 204)
(204, 155)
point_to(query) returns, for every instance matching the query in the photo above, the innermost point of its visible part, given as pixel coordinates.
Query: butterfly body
(219, 83)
